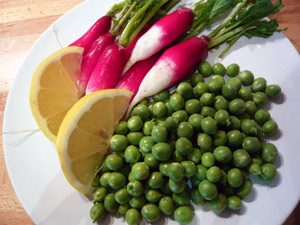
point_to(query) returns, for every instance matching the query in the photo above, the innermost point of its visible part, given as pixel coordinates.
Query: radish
(101, 26)
(134, 76)
(108, 69)
(172, 66)
(160, 35)
(90, 59)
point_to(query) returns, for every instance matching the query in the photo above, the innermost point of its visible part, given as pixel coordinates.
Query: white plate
(33, 165)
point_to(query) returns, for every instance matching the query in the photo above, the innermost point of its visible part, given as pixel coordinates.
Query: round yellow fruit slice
(53, 89)
(83, 137)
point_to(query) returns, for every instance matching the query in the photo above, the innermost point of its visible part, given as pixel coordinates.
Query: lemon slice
(53, 89)
(83, 137)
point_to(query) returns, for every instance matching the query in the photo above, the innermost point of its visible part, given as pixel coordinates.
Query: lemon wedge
(83, 137)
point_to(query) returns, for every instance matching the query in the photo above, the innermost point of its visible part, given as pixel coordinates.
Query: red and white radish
(101, 26)
(134, 76)
(108, 69)
(160, 35)
(172, 66)
(90, 59)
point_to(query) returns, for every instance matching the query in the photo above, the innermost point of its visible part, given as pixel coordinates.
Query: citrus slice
(53, 89)
(83, 137)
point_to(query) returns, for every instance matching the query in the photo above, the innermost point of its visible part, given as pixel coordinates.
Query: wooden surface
(21, 23)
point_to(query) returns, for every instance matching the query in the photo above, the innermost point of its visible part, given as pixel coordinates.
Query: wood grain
(21, 23)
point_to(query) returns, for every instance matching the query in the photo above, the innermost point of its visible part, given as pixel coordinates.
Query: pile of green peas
(197, 144)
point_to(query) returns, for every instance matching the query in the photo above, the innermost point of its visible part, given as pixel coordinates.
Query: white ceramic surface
(33, 164)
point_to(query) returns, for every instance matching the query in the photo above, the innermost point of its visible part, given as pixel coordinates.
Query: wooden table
(21, 23)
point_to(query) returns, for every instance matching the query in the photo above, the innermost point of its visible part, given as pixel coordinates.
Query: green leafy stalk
(116, 8)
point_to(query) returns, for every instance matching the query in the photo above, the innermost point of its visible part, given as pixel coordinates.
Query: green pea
(184, 215)
(207, 99)
(245, 94)
(97, 212)
(220, 138)
(133, 217)
(104, 179)
(221, 103)
(259, 84)
(156, 180)
(185, 130)
(208, 159)
(229, 91)
(222, 117)
(153, 196)
(162, 151)
(219, 203)
(142, 111)
(163, 168)
(269, 152)
(118, 143)
(214, 85)
(177, 157)
(194, 182)
(246, 77)
(209, 125)
(196, 78)
(260, 98)
(262, 116)
(235, 123)
(200, 89)
(121, 128)
(254, 169)
(220, 78)
(132, 154)
(195, 121)
(241, 158)
(123, 209)
(189, 168)
(165, 189)
(176, 171)
(161, 96)
(251, 144)
(235, 82)
(268, 172)
(100, 194)
(195, 156)
(116, 180)
(110, 203)
(235, 177)
(146, 144)
(270, 127)
(182, 198)
(184, 146)
(222, 154)
(273, 91)
(237, 107)
(159, 109)
(169, 109)
(151, 161)
(135, 123)
(234, 202)
(176, 102)
(137, 202)
(192, 106)
(235, 138)
(185, 90)
(180, 116)
(208, 111)
(135, 137)
(223, 178)
(114, 162)
(171, 123)
(201, 172)
(219, 69)
(135, 188)
(196, 197)
(208, 190)
(233, 70)
(147, 128)
(251, 108)
(122, 196)
(249, 127)
(205, 141)
(166, 205)
(213, 174)
(150, 212)
(205, 69)
(177, 187)
(257, 159)
(140, 171)
(159, 134)
(245, 189)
